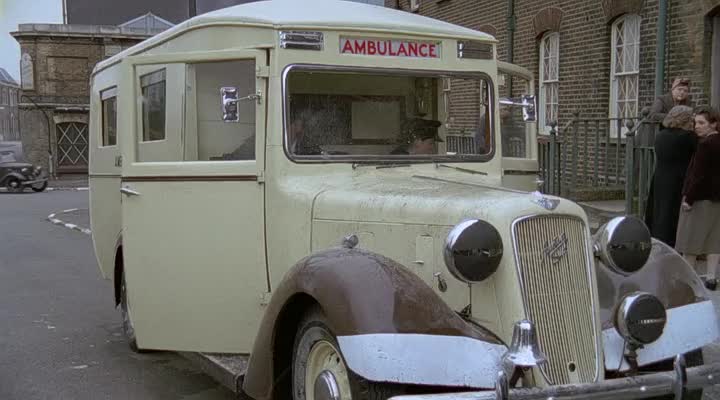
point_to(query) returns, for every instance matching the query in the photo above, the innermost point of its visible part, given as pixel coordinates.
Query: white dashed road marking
(54, 220)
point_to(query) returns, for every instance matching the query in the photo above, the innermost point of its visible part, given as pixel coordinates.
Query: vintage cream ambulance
(322, 199)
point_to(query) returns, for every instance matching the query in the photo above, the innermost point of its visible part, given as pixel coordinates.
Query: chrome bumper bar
(677, 382)
(32, 182)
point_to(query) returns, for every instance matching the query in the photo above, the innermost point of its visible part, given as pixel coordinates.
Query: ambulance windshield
(350, 115)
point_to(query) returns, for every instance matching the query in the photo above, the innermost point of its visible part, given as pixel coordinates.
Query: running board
(228, 369)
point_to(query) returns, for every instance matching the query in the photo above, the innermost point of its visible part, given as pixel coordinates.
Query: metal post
(660, 59)
(510, 40)
(629, 168)
(551, 164)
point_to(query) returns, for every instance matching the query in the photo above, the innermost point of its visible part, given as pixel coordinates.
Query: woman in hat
(674, 147)
(699, 224)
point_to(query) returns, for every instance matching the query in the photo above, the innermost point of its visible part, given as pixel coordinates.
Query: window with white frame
(549, 80)
(625, 68)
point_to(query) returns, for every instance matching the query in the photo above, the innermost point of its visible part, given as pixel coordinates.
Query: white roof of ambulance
(312, 14)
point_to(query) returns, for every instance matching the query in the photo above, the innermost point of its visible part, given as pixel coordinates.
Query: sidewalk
(601, 211)
(68, 183)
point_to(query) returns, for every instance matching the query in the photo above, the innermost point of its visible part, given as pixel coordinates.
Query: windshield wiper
(470, 171)
(379, 165)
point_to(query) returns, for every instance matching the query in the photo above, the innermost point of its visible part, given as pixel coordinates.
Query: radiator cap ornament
(544, 201)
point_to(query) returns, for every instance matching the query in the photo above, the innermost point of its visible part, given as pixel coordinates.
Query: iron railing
(588, 156)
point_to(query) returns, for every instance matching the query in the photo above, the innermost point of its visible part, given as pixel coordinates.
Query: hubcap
(326, 376)
(326, 387)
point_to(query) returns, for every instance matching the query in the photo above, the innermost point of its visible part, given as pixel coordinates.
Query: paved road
(60, 336)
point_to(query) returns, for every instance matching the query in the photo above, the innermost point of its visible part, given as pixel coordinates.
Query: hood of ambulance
(406, 213)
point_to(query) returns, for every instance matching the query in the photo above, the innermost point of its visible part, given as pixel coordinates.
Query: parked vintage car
(15, 174)
(317, 197)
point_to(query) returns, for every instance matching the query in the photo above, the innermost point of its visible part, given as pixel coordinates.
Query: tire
(127, 326)
(39, 188)
(316, 352)
(14, 185)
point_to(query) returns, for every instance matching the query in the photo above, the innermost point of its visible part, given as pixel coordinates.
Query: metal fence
(591, 155)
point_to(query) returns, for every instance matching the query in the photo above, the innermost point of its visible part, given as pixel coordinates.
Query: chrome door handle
(127, 191)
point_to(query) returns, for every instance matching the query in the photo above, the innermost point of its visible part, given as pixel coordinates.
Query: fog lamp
(640, 318)
(624, 244)
(473, 250)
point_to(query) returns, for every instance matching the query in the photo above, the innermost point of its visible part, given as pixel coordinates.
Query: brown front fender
(360, 293)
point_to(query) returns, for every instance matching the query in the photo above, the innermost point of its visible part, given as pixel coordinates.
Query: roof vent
(474, 50)
(301, 40)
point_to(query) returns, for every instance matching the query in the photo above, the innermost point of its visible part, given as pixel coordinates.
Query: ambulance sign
(389, 48)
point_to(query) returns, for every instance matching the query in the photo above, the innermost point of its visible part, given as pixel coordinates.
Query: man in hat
(678, 96)
(420, 137)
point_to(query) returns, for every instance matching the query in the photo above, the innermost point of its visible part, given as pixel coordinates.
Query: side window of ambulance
(153, 106)
(208, 135)
(109, 116)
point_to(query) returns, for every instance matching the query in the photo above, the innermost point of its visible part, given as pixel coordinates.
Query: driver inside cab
(420, 137)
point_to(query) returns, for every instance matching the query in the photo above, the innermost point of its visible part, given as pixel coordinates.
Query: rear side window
(153, 105)
(109, 116)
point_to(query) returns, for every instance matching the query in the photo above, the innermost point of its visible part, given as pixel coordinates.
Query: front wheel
(14, 185)
(39, 187)
(319, 370)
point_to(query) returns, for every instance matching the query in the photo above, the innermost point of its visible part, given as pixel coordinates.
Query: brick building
(9, 127)
(595, 65)
(580, 40)
(56, 62)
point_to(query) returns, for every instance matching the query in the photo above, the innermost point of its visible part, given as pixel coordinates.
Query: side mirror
(528, 104)
(230, 100)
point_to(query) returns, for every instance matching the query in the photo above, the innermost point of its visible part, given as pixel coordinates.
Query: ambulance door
(518, 137)
(192, 199)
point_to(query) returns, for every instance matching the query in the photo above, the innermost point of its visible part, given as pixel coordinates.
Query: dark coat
(663, 105)
(674, 149)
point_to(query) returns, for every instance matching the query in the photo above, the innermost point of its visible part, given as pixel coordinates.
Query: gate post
(553, 151)
(629, 167)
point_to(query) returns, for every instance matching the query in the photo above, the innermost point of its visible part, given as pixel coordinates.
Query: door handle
(127, 191)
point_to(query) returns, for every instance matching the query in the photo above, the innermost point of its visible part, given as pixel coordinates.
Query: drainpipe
(51, 164)
(510, 38)
(192, 8)
(660, 60)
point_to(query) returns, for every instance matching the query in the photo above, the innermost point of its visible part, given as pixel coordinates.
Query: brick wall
(585, 36)
(62, 66)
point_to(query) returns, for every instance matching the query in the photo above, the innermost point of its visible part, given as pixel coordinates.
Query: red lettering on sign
(401, 50)
(371, 48)
(432, 51)
(382, 48)
(391, 50)
(423, 50)
(412, 49)
(359, 47)
(347, 48)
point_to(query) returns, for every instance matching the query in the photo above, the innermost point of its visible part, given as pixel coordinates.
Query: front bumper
(677, 382)
(34, 181)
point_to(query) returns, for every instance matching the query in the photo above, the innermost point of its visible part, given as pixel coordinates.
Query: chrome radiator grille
(551, 253)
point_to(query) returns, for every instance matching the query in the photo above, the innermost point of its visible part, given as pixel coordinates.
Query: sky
(14, 12)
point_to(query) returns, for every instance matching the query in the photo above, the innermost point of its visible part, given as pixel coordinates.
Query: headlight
(624, 244)
(37, 170)
(640, 318)
(24, 170)
(473, 250)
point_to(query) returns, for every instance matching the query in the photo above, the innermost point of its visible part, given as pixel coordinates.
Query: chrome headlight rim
(473, 250)
(623, 244)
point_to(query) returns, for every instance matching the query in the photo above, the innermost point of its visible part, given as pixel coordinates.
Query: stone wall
(62, 61)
